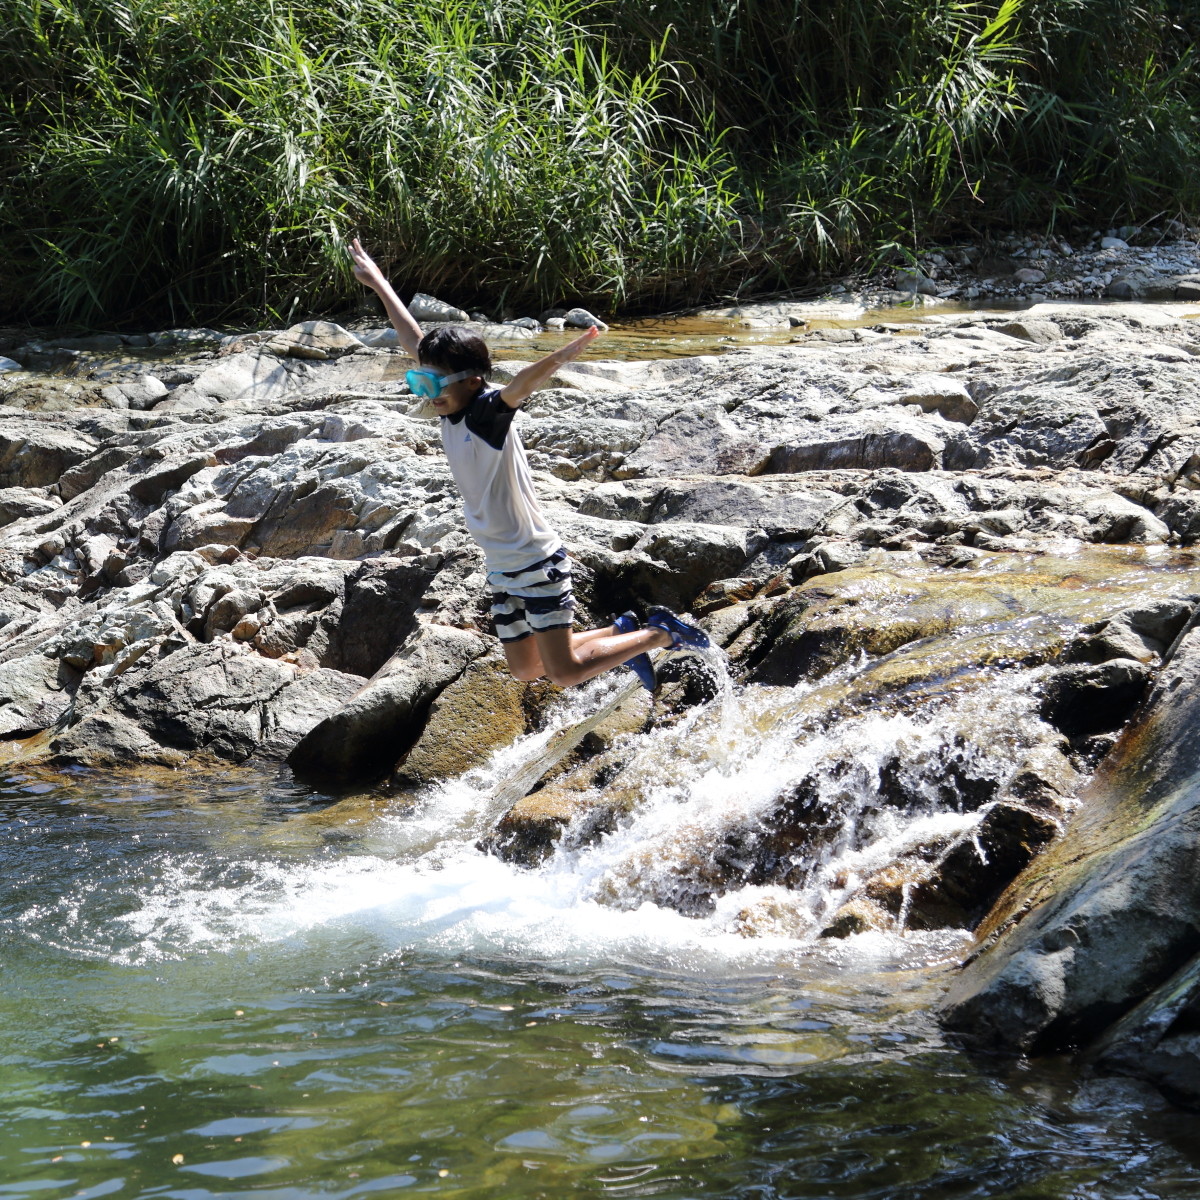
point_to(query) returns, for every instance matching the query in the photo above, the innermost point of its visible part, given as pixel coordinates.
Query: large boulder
(376, 727)
(1110, 912)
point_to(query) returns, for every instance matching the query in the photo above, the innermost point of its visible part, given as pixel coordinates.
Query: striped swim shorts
(534, 599)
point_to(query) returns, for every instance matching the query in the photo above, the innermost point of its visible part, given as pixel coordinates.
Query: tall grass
(207, 159)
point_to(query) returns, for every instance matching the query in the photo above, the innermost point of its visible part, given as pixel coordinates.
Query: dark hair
(455, 348)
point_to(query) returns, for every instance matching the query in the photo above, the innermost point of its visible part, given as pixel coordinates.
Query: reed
(206, 160)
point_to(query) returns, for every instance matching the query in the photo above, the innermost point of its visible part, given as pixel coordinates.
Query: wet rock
(373, 730)
(1088, 699)
(483, 709)
(962, 886)
(1157, 1041)
(1142, 634)
(859, 915)
(1104, 917)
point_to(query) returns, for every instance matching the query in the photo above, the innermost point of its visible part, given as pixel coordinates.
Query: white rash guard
(489, 465)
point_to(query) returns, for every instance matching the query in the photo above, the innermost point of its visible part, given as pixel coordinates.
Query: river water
(215, 984)
(215, 987)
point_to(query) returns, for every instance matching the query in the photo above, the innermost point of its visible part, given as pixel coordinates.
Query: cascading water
(235, 995)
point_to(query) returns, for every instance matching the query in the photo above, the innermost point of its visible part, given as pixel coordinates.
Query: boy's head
(452, 349)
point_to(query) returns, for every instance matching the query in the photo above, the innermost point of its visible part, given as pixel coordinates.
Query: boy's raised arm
(526, 381)
(367, 271)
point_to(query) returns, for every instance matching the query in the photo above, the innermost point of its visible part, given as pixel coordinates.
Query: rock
(1029, 275)
(34, 454)
(242, 377)
(1113, 243)
(8, 364)
(1088, 699)
(18, 503)
(582, 319)
(700, 440)
(36, 690)
(860, 915)
(479, 712)
(428, 308)
(1143, 634)
(1156, 1041)
(865, 441)
(935, 393)
(525, 323)
(1104, 918)
(314, 340)
(1042, 333)
(963, 885)
(106, 740)
(373, 730)
(220, 699)
(140, 394)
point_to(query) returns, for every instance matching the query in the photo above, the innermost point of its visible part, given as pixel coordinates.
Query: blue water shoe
(640, 664)
(684, 635)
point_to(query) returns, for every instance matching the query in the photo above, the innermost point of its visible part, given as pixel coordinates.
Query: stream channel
(209, 991)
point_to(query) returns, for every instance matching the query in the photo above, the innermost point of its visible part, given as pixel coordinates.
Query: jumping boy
(528, 571)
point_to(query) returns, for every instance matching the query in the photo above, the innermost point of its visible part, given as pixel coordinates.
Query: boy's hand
(366, 270)
(533, 376)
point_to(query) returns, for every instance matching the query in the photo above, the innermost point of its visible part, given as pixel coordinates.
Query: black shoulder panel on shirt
(489, 418)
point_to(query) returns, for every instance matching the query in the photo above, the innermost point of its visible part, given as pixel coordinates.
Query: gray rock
(318, 340)
(372, 731)
(34, 454)
(1108, 919)
(429, 308)
(582, 319)
(18, 503)
(8, 364)
(936, 393)
(1041, 333)
(140, 394)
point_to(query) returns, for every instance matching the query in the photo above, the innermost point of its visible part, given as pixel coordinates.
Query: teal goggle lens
(429, 384)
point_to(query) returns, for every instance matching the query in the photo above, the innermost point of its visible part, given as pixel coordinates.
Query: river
(216, 987)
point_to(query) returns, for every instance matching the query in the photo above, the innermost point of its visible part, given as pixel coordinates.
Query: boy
(528, 571)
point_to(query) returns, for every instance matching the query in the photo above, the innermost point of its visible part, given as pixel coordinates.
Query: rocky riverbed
(250, 551)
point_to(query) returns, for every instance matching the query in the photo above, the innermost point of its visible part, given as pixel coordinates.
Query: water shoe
(684, 635)
(640, 664)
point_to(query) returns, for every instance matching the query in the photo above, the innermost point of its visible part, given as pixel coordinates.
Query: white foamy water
(715, 779)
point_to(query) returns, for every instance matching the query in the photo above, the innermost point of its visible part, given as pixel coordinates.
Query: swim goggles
(428, 384)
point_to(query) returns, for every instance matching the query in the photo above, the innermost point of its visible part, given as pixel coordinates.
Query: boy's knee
(565, 676)
(525, 674)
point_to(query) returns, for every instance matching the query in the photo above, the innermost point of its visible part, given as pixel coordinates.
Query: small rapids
(680, 878)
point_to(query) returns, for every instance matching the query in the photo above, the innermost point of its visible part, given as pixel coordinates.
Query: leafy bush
(207, 159)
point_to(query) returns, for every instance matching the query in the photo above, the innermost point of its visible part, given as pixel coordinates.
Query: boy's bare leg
(525, 662)
(568, 658)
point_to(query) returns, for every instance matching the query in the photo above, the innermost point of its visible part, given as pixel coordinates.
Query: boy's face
(454, 397)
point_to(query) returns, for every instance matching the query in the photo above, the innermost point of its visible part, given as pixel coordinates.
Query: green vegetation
(191, 160)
